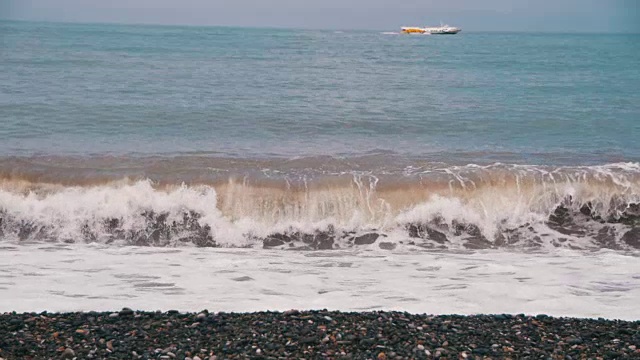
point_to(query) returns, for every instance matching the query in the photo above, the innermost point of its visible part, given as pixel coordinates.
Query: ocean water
(120, 141)
(260, 93)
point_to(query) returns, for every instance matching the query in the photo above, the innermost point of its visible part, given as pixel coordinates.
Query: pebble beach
(321, 334)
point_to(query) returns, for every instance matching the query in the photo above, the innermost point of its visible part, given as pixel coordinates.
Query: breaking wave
(439, 207)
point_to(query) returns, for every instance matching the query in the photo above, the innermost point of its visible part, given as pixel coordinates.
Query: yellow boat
(437, 30)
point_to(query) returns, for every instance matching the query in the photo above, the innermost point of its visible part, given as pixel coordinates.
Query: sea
(244, 169)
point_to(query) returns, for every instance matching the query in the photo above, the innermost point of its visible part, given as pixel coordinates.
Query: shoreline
(129, 334)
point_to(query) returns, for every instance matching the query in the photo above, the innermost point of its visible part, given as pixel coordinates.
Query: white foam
(68, 210)
(491, 197)
(563, 283)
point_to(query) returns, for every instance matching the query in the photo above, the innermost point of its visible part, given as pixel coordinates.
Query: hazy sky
(478, 15)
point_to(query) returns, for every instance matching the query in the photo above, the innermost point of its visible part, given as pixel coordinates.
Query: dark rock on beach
(310, 335)
(426, 232)
(273, 241)
(475, 239)
(366, 239)
(570, 226)
(606, 238)
(630, 216)
(562, 221)
(320, 240)
(323, 241)
(632, 237)
(387, 245)
(156, 230)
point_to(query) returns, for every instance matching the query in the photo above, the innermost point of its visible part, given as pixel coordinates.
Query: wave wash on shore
(318, 203)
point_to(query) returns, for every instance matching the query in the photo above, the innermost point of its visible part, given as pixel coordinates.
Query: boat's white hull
(445, 32)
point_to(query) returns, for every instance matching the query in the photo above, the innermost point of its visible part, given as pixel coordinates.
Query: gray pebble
(68, 354)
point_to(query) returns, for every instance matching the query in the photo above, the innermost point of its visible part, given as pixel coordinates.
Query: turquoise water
(93, 90)
(210, 136)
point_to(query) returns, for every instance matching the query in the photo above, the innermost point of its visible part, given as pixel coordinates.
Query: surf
(469, 206)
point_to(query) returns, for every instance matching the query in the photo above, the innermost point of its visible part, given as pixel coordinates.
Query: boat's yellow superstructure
(413, 30)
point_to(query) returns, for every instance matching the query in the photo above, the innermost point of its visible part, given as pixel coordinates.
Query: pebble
(574, 340)
(68, 354)
(126, 312)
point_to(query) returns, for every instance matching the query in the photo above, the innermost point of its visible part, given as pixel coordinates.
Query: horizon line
(276, 27)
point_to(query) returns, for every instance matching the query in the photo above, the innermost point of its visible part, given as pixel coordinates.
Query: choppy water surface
(526, 98)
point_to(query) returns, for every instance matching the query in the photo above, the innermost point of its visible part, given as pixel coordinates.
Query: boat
(431, 30)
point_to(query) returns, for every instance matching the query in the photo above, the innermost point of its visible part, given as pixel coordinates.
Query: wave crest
(454, 207)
